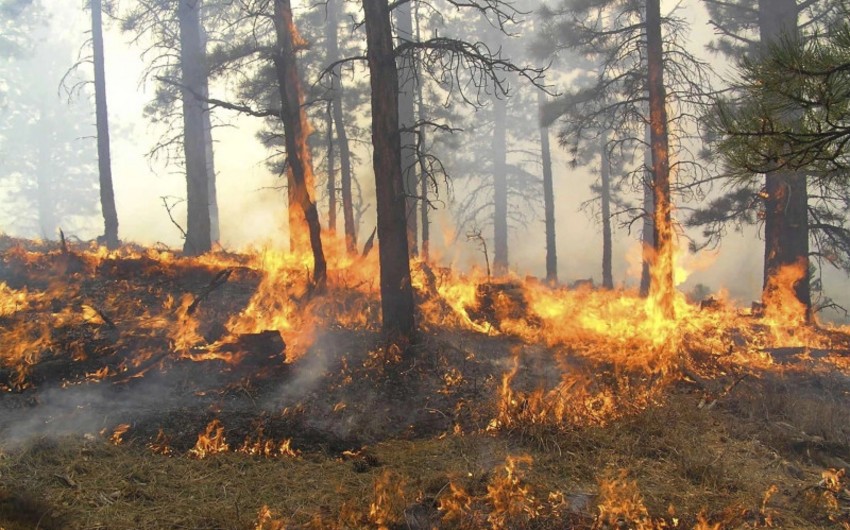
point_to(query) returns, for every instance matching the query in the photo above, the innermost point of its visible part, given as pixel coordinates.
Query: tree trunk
(548, 198)
(345, 176)
(605, 177)
(104, 163)
(786, 229)
(648, 233)
(198, 239)
(215, 226)
(396, 290)
(215, 230)
(407, 119)
(423, 170)
(329, 127)
(296, 129)
(500, 187)
(662, 289)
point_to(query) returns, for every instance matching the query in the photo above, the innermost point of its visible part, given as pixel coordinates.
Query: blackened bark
(786, 230)
(500, 187)
(406, 116)
(548, 198)
(662, 287)
(104, 163)
(605, 196)
(296, 131)
(198, 240)
(396, 291)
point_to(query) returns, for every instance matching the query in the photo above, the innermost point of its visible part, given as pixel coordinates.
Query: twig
(476, 234)
(219, 280)
(168, 209)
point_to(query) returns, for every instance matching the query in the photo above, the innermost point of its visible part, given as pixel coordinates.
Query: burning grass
(144, 390)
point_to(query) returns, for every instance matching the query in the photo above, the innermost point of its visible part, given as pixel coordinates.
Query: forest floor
(109, 421)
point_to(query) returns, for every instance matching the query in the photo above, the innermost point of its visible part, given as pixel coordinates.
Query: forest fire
(231, 325)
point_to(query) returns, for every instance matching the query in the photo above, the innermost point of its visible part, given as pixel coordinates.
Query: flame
(267, 520)
(387, 506)
(613, 350)
(509, 496)
(161, 445)
(210, 442)
(117, 436)
(259, 445)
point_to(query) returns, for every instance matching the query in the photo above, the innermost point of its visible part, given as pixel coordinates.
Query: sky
(254, 214)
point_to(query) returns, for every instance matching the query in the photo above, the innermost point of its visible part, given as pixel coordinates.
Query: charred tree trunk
(407, 119)
(548, 199)
(786, 228)
(500, 187)
(662, 289)
(605, 196)
(332, 39)
(648, 233)
(104, 162)
(396, 290)
(198, 240)
(296, 131)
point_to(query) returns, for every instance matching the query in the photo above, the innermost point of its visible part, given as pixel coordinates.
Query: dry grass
(680, 461)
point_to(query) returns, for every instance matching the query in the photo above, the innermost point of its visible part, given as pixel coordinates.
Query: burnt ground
(380, 441)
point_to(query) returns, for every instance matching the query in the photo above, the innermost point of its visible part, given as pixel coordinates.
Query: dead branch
(219, 280)
(367, 248)
(168, 209)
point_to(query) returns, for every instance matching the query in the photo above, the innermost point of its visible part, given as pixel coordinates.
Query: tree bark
(662, 289)
(104, 163)
(548, 198)
(407, 119)
(500, 187)
(296, 130)
(605, 177)
(396, 291)
(786, 230)
(198, 240)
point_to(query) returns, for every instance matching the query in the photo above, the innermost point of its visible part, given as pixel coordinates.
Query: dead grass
(682, 461)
